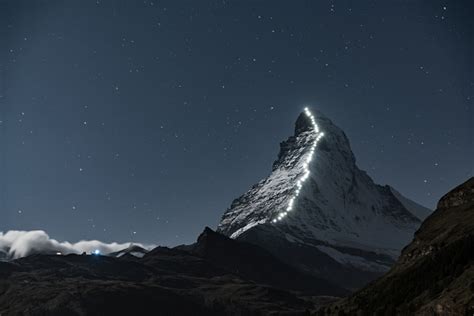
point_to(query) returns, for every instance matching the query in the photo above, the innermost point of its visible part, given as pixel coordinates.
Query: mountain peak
(316, 195)
(208, 235)
(303, 123)
(207, 230)
(333, 176)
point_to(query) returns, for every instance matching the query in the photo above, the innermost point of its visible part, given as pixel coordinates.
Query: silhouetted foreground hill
(435, 272)
(215, 276)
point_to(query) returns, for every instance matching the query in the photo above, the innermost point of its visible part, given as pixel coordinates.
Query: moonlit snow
(306, 173)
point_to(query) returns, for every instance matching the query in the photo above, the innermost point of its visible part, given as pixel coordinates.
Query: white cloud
(23, 243)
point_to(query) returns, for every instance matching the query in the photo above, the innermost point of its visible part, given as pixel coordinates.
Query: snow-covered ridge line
(300, 182)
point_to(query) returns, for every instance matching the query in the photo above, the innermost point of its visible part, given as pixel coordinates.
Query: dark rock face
(215, 276)
(303, 124)
(461, 195)
(312, 261)
(435, 273)
(255, 263)
(3, 256)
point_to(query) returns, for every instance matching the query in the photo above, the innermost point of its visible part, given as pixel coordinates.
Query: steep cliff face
(316, 197)
(435, 272)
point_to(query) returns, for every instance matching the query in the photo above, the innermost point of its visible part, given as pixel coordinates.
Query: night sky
(143, 120)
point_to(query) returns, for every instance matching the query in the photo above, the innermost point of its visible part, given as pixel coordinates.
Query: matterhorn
(318, 212)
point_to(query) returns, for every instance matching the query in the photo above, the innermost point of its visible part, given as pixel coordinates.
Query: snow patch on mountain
(356, 261)
(416, 209)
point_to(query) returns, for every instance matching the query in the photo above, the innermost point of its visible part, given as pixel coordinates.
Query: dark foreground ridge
(214, 276)
(435, 273)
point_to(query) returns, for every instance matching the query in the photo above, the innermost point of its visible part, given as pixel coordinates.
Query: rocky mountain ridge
(435, 272)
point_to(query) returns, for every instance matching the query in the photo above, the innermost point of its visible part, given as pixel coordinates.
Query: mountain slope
(435, 272)
(254, 263)
(347, 220)
(416, 209)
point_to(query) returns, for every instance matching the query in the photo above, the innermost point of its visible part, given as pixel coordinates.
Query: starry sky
(143, 120)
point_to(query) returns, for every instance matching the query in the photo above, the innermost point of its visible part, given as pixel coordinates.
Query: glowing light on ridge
(306, 172)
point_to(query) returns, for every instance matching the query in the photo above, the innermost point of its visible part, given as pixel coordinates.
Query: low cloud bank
(17, 244)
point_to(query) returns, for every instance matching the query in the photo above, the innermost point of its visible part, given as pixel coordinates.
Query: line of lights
(306, 173)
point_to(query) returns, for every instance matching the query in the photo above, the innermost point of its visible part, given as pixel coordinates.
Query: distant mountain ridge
(346, 221)
(416, 209)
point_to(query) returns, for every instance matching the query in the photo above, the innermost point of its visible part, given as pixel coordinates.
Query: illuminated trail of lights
(306, 173)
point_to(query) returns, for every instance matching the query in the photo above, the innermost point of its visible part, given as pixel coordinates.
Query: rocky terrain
(340, 225)
(435, 272)
(214, 276)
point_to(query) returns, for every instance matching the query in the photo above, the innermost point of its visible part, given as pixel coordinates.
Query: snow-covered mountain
(416, 209)
(132, 250)
(318, 211)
